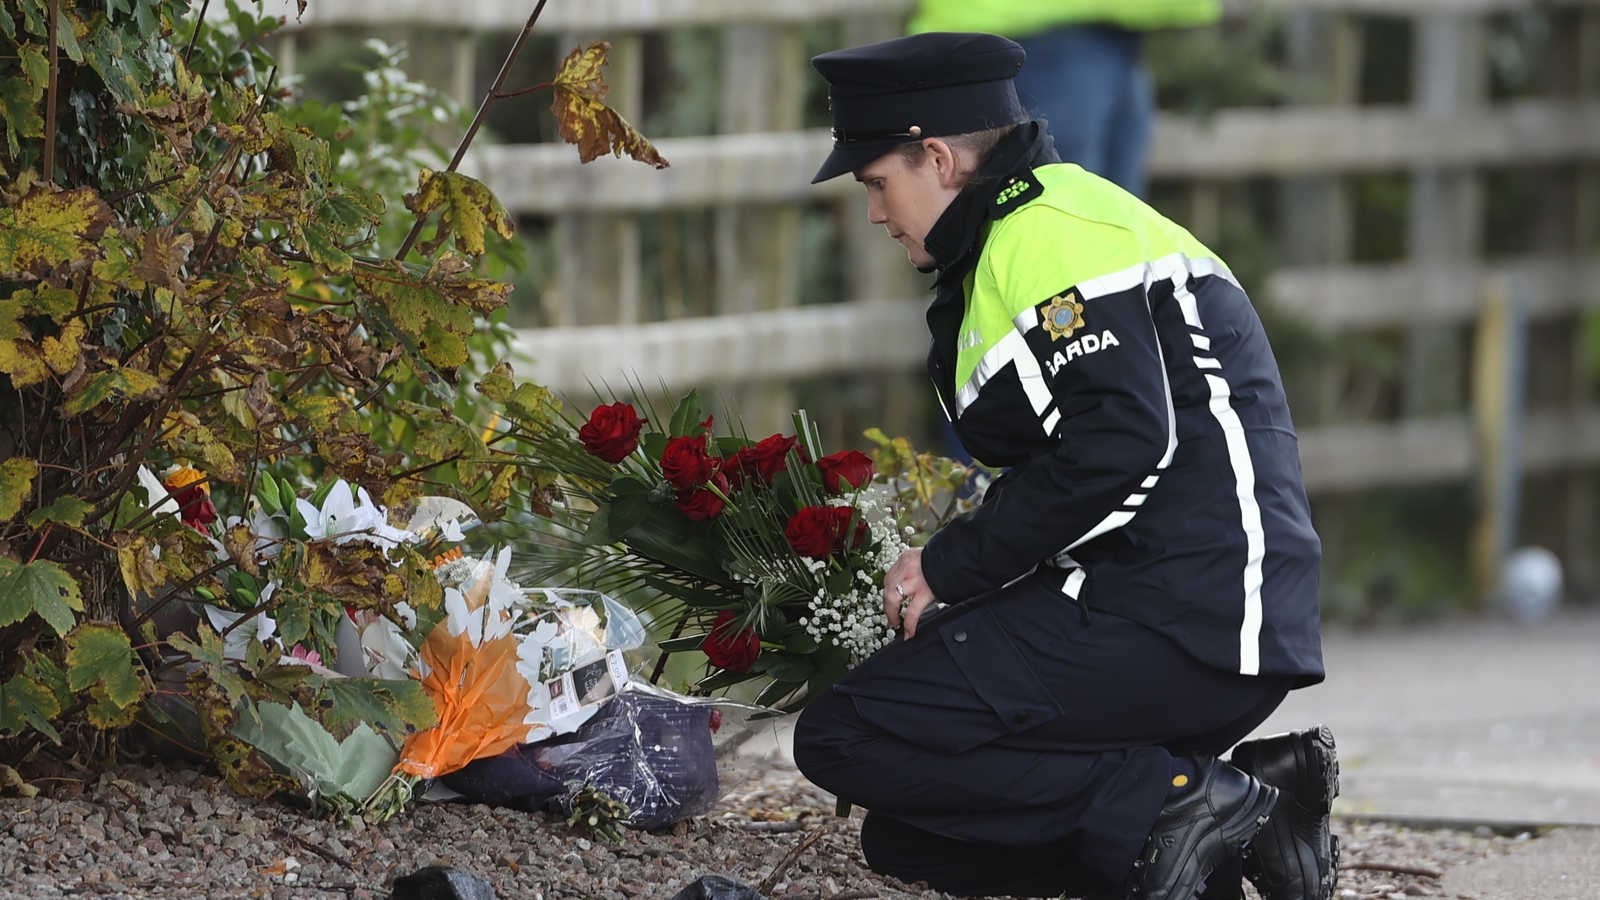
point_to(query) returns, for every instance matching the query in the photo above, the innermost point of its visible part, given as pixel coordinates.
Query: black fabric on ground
(1008, 721)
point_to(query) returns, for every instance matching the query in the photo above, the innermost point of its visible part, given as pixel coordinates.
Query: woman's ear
(944, 160)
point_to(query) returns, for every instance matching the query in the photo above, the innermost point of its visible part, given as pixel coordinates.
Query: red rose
(847, 468)
(769, 456)
(686, 463)
(817, 531)
(842, 515)
(704, 503)
(612, 432)
(738, 468)
(728, 649)
(195, 508)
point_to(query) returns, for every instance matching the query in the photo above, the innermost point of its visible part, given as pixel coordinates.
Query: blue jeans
(1088, 81)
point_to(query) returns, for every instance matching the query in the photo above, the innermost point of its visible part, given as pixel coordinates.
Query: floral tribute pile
(355, 707)
(765, 555)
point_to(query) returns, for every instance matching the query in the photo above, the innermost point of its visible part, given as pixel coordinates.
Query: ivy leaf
(208, 650)
(101, 386)
(48, 227)
(581, 117)
(100, 655)
(466, 207)
(24, 702)
(431, 315)
(391, 707)
(19, 108)
(44, 670)
(16, 480)
(30, 362)
(106, 714)
(64, 510)
(42, 587)
(36, 67)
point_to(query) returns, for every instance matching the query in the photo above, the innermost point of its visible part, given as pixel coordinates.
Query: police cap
(935, 84)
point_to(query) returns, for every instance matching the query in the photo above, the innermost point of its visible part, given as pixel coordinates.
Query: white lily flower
(155, 491)
(385, 650)
(346, 518)
(260, 627)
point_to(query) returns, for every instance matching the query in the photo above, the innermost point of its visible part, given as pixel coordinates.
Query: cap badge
(1063, 316)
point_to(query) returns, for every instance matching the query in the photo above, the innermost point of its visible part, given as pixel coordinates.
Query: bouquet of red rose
(763, 554)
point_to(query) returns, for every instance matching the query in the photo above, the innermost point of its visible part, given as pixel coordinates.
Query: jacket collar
(953, 240)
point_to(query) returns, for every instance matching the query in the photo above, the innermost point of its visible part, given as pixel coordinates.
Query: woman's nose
(876, 213)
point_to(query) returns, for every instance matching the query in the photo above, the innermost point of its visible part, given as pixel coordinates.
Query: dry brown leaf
(583, 119)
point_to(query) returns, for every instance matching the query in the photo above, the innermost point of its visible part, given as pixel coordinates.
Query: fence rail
(641, 15)
(777, 167)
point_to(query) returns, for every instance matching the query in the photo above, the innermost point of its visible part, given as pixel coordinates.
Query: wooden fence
(754, 175)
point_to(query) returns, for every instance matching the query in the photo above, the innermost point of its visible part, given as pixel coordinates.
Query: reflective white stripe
(1027, 320)
(1051, 421)
(1172, 413)
(1205, 265)
(1201, 342)
(1116, 282)
(1074, 583)
(1186, 301)
(1115, 520)
(1167, 268)
(1150, 482)
(1135, 500)
(1013, 350)
(1206, 362)
(1244, 476)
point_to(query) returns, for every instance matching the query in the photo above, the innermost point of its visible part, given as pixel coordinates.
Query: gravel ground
(174, 831)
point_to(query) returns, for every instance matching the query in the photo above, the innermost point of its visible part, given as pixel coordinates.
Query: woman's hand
(905, 593)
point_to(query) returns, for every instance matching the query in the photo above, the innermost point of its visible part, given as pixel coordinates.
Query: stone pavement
(1563, 865)
(1482, 719)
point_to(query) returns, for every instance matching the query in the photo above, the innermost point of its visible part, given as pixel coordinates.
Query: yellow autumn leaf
(466, 207)
(48, 227)
(582, 118)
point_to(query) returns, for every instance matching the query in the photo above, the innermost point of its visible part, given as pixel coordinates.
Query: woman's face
(908, 199)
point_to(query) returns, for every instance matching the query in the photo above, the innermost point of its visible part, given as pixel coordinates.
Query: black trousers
(1015, 748)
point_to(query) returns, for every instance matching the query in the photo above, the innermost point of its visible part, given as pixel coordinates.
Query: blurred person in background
(1084, 73)
(1138, 592)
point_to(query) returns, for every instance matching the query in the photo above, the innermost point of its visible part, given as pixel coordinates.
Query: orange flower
(481, 700)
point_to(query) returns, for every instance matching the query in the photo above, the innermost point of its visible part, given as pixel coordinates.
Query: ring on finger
(901, 588)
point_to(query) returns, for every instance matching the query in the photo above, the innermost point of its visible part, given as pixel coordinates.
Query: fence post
(1499, 369)
(597, 259)
(757, 248)
(1446, 203)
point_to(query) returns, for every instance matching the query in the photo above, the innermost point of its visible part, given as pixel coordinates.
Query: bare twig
(661, 662)
(783, 865)
(1390, 867)
(49, 164)
(507, 95)
(477, 120)
(328, 855)
(198, 23)
(785, 827)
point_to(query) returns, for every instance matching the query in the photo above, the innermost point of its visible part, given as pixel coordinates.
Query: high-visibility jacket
(1113, 362)
(1020, 18)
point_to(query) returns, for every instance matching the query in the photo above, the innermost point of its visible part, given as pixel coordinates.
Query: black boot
(1198, 830)
(1296, 856)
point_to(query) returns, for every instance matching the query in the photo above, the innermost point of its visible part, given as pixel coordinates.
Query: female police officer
(1139, 590)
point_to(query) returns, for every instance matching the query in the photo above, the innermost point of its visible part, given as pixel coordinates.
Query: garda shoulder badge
(1063, 316)
(1017, 192)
